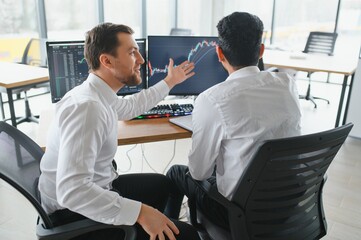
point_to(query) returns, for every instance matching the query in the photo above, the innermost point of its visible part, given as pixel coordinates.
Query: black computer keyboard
(167, 110)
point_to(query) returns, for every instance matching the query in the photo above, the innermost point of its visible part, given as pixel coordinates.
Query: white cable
(184, 209)
(174, 147)
(141, 168)
(130, 161)
(146, 160)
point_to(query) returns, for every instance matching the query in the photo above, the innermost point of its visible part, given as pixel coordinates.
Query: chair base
(29, 117)
(311, 98)
(20, 120)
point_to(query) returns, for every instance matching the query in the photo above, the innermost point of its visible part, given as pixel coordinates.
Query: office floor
(342, 193)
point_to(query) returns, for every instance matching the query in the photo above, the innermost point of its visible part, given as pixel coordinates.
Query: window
(349, 28)
(160, 16)
(295, 19)
(260, 8)
(69, 19)
(128, 12)
(198, 17)
(18, 24)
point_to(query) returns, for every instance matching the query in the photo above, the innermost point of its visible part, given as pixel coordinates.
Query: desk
(129, 132)
(14, 75)
(317, 63)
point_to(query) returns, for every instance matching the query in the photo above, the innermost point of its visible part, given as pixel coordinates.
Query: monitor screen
(200, 50)
(68, 68)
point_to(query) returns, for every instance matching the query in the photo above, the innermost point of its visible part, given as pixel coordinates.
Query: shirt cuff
(162, 87)
(131, 209)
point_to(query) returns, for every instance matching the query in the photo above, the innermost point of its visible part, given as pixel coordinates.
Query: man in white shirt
(78, 179)
(232, 118)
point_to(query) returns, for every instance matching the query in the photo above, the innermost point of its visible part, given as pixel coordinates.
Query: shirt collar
(243, 72)
(103, 88)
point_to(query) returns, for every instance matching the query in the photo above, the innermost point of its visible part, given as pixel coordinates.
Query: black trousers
(214, 211)
(148, 188)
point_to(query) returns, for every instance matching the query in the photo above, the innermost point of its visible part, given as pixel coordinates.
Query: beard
(132, 80)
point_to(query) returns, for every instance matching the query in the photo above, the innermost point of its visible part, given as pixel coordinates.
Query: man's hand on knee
(156, 224)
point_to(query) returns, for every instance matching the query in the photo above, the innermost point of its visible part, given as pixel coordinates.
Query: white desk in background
(14, 75)
(318, 63)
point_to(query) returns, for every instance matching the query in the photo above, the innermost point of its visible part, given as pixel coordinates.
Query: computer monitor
(68, 68)
(200, 50)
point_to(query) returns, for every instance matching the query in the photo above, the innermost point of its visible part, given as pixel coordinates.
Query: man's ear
(261, 51)
(220, 54)
(105, 60)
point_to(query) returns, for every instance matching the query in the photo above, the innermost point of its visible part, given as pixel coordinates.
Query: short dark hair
(240, 38)
(102, 39)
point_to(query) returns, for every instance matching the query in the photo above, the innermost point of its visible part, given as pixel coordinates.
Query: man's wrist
(141, 214)
(169, 82)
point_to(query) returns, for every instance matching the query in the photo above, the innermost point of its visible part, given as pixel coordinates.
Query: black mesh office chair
(19, 167)
(318, 43)
(280, 193)
(31, 56)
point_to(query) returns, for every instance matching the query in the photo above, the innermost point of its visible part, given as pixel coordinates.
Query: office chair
(31, 56)
(320, 43)
(180, 32)
(262, 67)
(279, 196)
(19, 167)
(261, 64)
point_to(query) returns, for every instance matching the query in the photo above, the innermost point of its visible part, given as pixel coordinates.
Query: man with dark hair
(78, 179)
(232, 118)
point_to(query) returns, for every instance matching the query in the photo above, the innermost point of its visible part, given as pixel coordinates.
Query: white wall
(354, 112)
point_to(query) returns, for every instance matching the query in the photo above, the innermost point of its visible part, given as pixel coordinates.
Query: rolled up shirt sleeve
(128, 108)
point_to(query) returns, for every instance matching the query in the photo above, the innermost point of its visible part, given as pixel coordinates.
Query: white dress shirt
(82, 141)
(232, 118)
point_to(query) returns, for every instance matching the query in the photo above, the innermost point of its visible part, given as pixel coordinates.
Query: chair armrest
(77, 228)
(213, 193)
(235, 212)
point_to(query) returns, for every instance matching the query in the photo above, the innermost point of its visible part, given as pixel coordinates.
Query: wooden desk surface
(149, 130)
(310, 62)
(129, 132)
(14, 75)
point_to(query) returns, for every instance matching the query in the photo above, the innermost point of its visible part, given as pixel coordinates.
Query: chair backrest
(281, 189)
(180, 32)
(261, 64)
(321, 42)
(20, 165)
(34, 53)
